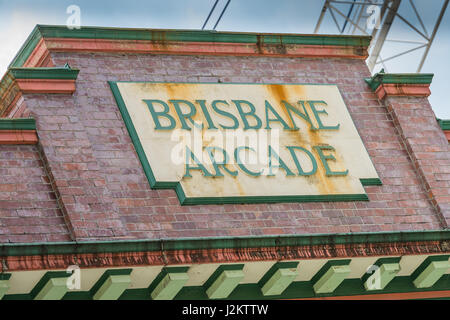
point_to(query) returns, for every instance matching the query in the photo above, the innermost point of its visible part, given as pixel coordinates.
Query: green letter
(238, 161)
(316, 114)
(325, 158)
(200, 166)
(188, 115)
(249, 113)
(164, 114)
(278, 117)
(206, 113)
(281, 162)
(304, 116)
(223, 164)
(297, 163)
(226, 114)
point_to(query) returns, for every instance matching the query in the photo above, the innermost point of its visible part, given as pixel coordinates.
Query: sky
(18, 18)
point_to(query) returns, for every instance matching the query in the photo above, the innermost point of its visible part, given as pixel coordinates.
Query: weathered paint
(113, 287)
(159, 144)
(382, 276)
(54, 289)
(177, 257)
(201, 48)
(431, 274)
(4, 287)
(46, 86)
(331, 279)
(225, 283)
(169, 286)
(279, 281)
(419, 90)
(39, 57)
(18, 137)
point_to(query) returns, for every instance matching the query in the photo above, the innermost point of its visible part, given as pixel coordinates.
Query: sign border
(222, 200)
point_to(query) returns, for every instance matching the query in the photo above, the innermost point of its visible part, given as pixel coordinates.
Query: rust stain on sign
(312, 149)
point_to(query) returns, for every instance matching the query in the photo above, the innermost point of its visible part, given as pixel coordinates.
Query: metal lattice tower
(353, 16)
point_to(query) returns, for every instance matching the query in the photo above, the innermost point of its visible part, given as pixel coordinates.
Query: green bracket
(278, 278)
(330, 276)
(381, 273)
(224, 280)
(111, 284)
(430, 271)
(168, 283)
(52, 286)
(4, 283)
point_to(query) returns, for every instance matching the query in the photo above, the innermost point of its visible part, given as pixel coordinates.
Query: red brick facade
(28, 210)
(103, 193)
(72, 184)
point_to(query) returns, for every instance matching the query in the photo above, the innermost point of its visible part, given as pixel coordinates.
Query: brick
(103, 191)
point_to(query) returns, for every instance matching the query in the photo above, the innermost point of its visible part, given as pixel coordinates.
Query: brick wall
(427, 146)
(105, 193)
(28, 209)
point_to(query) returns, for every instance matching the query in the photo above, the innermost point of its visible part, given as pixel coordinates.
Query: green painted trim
(270, 199)
(113, 288)
(65, 73)
(236, 83)
(106, 275)
(274, 268)
(168, 283)
(444, 124)
(398, 78)
(278, 278)
(379, 263)
(55, 73)
(327, 266)
(223, 281)
(5, 276)
(371, 182)
(214, 200)
(4, 284)
(45, 278)
(219, 270)
(27, 48)
(159, 35)
(382, 261)
(18, 124)
(427, 262)
(299, 289)
(84, 247)
(252, 291)
(200, 36)
(162, 274)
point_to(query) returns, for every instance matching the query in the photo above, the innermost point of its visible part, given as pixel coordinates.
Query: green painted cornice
(51, 248)
(27, 48)
(398, 78)
(54, 73)
(64, 73)
(18, 124)
(161, 35)
(444, 124)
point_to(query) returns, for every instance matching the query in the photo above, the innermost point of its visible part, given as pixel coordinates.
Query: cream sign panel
(246, 143)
